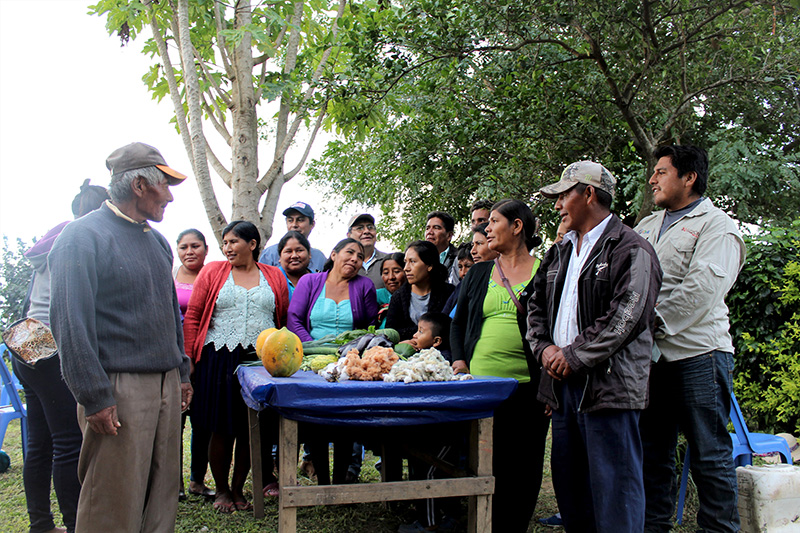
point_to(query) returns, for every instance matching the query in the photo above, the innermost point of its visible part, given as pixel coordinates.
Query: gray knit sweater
(113, 305)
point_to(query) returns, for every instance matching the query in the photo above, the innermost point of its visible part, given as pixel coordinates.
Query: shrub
(15, 274)
(765, 322)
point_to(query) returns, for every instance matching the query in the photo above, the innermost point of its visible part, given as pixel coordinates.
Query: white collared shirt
(368, 262)
(566, 327)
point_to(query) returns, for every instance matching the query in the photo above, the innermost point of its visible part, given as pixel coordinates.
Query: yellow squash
(281, 353)
(262, 337)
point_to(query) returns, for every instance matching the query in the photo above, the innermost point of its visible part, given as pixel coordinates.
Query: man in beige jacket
(701, 252)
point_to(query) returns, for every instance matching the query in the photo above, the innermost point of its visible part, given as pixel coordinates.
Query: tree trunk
(244, 142)
(647, 195)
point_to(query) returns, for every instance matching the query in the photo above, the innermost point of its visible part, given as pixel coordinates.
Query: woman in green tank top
(487, 338)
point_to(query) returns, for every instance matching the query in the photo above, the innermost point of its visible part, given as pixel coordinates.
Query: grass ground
(198, 516)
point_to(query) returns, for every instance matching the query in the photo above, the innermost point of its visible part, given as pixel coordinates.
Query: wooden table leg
(287, 475)
(255, 461)
(479, 518)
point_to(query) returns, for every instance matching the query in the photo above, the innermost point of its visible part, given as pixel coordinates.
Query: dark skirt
(217, 405)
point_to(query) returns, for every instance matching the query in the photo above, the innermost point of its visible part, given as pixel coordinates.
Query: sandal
(271, 491)
(243, 506)
(224, 507)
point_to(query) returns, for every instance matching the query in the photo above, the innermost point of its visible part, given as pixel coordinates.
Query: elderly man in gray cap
(115, 317)
(590, 325)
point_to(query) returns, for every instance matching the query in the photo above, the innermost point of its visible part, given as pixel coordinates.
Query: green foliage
(15, 275)
(461, 100)
(765, 321)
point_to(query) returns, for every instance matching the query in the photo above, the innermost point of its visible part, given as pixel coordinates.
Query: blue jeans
(693, 396)
(54, 444)
(597, 465)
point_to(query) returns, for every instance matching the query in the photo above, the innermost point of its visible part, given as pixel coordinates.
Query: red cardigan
(204, 297)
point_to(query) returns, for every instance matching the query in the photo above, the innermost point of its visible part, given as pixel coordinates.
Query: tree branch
(226, 99)
(218, 124)
(261, 78)
(172, 83)
(200, 157)
(699, 27)
(221, 45)
(277, 165)
(219, 168)
(292, 173)
(263, 58)
(289, 65)
(687, 99)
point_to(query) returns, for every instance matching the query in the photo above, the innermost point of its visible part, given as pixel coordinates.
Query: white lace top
(241, 314)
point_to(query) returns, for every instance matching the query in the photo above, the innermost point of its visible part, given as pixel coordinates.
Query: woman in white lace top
(231, 303)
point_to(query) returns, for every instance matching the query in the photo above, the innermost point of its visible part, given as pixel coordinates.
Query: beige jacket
(701, 255)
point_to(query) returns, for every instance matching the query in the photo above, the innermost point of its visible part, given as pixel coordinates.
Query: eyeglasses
(362, 227)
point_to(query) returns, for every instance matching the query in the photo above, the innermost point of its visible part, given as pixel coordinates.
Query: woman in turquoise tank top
(487, 338)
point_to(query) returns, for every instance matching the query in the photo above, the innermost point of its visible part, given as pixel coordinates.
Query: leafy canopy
(462, 100)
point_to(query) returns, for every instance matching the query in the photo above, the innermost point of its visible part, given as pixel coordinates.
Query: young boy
(433, 331)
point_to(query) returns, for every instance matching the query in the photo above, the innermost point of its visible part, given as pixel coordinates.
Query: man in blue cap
(299, 217)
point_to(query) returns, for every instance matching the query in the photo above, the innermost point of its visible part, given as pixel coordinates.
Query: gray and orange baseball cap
(140, 155)
(587, 172)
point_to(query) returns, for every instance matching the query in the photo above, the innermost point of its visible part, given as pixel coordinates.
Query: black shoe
(207, 494)
(554, 520)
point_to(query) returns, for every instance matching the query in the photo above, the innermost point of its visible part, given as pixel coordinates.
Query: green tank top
(499, 351)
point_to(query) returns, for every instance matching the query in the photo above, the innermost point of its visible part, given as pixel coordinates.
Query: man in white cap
(362, 228)
(115, 317)
(299, 217)
(590, 324)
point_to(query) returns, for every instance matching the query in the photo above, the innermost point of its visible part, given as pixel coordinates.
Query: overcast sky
(69, 96)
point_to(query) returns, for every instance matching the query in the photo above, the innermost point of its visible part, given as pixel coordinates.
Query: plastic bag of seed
(30, 341)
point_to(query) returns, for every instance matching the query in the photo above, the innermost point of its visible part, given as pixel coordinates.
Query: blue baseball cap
(302, 208)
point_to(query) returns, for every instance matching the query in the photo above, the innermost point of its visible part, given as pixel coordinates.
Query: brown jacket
(617, 291)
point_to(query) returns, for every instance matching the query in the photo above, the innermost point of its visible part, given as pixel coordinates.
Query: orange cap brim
(171, 173)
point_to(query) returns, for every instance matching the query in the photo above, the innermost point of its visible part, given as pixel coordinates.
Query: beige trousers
(129, 482)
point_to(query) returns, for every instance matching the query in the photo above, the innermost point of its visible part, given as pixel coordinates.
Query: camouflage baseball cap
(587, 172)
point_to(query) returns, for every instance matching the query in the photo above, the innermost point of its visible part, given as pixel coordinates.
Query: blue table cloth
(306, 397)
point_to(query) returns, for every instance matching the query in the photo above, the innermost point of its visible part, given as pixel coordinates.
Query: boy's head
(464, 258)
(433, 331)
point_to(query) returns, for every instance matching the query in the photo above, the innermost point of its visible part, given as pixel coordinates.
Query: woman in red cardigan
(231, 303)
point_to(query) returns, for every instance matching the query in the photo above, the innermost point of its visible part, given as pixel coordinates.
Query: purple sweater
(363, 302)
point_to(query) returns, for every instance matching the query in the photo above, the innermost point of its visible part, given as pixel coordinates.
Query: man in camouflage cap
(590, 325)
(586, 172)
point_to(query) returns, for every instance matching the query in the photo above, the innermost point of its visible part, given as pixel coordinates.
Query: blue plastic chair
(745, 444)
(11, 406)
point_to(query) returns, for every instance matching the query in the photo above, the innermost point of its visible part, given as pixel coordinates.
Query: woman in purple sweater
(331, 302)
(335, 300)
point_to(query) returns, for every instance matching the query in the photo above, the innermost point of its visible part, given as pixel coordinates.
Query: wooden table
(479, 486)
